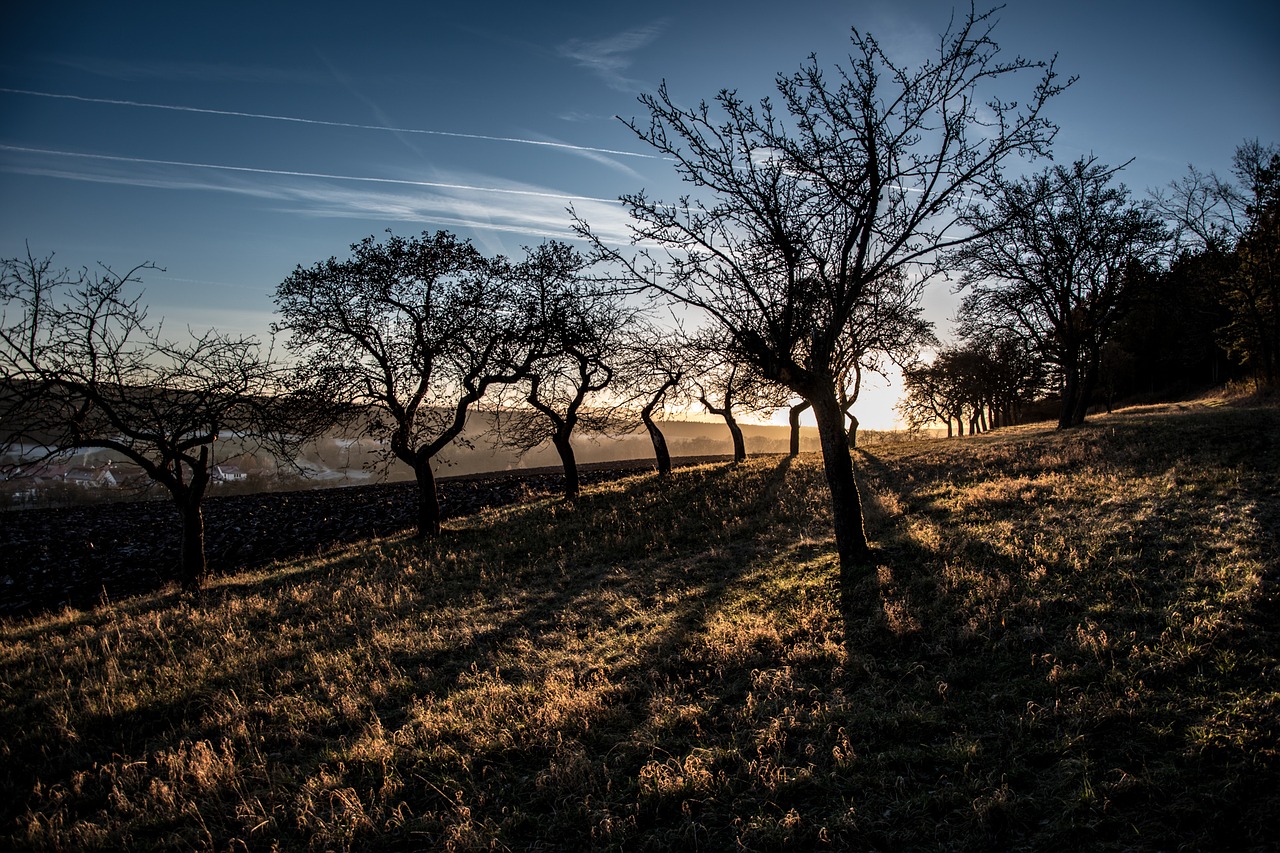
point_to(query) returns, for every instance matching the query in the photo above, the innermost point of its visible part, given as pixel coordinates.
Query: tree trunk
(193, 569)
(735, 431)
(1085, 394)
(950, 434)
(739, 445)
(853, 431)
(1070, 396)
(1081, 408)
(428, 500)
(794, 418)
(846, 503)
(570, 464)
(660, 452)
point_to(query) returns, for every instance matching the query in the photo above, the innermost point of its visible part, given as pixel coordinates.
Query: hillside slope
(1068, 641)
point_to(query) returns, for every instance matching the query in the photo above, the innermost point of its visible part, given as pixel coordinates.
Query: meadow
(1067, 640)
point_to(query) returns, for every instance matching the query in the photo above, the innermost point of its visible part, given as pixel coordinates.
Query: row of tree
(978, 385)
(400, 342)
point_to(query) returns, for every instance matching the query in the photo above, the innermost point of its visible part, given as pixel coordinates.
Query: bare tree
(1054, 262)
(409, 334)
(804, 214)
(84, 368)
(929, 397)
(655, 369)
(728, 387)
(1211, 212)
(576, 338)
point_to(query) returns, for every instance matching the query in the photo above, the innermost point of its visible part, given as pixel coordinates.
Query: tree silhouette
(1055, 259)
(83, 367)
(805, 214)
(1234, 228)
(655, 367)
(727, 387)
(407, 334)
(575, 336)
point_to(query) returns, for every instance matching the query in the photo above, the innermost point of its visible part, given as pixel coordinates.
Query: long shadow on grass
(955, 606)
(559, 561)
(1064, 652)
(1051, 751)
(581, 555)
(554, 562)
(695, 557)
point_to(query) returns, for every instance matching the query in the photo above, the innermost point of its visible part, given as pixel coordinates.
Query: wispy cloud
(384, 121)
(611, 162)
(253, 170)
(579, 117)
(297, 120)
(450, 200)
(528, 220)
(610, 57)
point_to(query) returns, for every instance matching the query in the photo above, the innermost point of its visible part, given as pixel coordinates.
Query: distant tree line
(1076, 293)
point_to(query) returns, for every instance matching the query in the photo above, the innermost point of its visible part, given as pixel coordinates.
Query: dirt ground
(80, 556)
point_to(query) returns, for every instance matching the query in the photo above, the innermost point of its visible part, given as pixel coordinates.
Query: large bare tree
(802, 213)
(83, 367)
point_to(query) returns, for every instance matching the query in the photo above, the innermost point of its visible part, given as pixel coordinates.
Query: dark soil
(80, 556)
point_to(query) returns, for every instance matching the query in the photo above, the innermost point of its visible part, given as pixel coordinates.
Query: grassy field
(1069, 641)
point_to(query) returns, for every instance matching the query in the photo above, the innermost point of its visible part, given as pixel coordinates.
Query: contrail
(297, 120)
(292, 174)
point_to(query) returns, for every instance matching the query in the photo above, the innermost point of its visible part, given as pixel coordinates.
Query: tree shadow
(575, 587)
(960, 640)
(1074, 639)
(565, 569)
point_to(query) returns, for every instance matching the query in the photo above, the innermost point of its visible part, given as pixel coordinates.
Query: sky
(230, 142)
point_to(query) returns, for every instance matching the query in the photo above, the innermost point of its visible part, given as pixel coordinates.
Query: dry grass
(1069, 640)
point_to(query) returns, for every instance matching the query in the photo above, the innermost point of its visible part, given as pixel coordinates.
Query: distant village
(88, 477)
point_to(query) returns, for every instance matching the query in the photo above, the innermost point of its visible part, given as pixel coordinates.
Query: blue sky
(228, 142)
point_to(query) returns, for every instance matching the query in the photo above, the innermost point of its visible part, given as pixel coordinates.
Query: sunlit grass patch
(1065, 640)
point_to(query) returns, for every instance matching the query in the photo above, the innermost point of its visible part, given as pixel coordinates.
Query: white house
(91, 478)
(227, 474)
